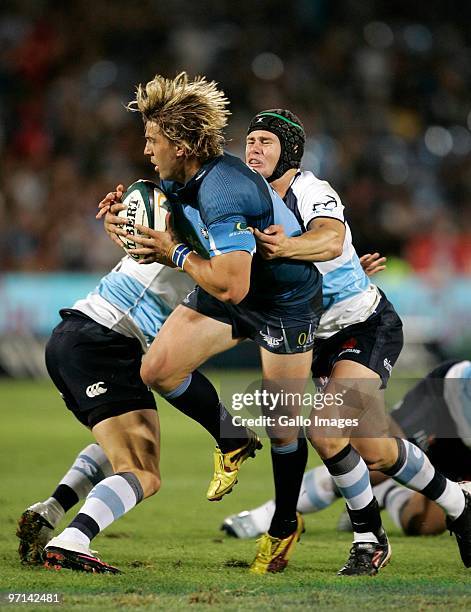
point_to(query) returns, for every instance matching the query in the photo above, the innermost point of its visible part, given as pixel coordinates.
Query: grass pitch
(170, 548)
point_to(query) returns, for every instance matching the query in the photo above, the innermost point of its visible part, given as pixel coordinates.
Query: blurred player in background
(436, 416)
(359, 338)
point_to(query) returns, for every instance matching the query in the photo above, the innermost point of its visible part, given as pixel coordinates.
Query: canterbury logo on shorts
(96, 389)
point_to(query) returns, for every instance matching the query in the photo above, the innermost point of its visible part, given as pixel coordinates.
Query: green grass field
(170, 548)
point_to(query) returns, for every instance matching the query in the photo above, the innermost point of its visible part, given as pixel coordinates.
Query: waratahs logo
(328, 205)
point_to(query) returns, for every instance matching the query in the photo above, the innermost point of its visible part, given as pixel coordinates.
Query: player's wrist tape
(180, 255)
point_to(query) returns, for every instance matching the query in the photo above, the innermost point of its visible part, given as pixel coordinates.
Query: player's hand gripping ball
(146, 205)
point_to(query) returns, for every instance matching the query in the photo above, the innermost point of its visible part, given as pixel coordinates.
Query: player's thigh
(353, 398)
(293, 367)
(131, 441)
(186, 340)
(363, 400)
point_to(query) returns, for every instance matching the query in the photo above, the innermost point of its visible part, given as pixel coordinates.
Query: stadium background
(383, 90)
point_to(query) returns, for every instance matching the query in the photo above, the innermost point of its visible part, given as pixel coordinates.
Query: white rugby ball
(146, 205)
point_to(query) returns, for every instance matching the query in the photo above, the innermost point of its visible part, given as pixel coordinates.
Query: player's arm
(323, 241)
(226, 275)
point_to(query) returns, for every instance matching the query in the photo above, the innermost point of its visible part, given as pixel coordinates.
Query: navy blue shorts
(96, 370)
(375, 343)
(283, 332)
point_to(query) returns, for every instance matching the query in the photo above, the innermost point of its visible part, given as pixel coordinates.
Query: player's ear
(180, 151)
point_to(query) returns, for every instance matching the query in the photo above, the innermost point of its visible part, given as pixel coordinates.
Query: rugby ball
(146, 205)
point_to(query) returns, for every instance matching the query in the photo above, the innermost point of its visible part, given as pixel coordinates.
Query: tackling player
(359, 338)
(435, 415)
(93, 357)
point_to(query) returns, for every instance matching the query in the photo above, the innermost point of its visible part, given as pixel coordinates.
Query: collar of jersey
(191, 187)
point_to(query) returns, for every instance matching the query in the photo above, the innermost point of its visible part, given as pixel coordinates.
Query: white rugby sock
(352, 479)
(414, 470)
(105, 503)
(89, 468)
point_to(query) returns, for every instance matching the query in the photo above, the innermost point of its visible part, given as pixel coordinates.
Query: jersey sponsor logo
(271, 341)
(305, 339)
(96, 389)
(349, 347)
(240, 228)
(328, 205)
(387, 364)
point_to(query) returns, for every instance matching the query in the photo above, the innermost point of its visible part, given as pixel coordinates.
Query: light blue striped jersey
(135, 299)
(348, 295)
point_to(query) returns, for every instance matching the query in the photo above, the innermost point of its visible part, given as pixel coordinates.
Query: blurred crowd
(383, 90)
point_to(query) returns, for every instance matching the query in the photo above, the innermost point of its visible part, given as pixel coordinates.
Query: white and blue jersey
(212, 213)
(348, 295)
(134, 299)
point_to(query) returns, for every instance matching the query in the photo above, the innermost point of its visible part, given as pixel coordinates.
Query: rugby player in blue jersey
(359, 339)
(239, 295)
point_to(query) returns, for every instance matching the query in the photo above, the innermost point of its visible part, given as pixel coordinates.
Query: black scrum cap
(290, 131)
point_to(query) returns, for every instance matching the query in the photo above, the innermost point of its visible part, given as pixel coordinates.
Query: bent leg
(186, 341)
(131, 443)
(345, 464)
(421, 516)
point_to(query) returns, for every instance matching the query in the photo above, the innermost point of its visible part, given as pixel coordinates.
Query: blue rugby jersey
(212, 213)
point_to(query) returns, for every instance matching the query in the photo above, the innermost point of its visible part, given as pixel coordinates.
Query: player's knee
(161, 374)
(380, 455)
(155, 373)
(149, 371)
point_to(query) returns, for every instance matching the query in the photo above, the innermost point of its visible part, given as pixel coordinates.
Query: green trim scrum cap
(290, 131)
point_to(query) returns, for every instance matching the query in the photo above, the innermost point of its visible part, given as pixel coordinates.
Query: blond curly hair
(192, 114)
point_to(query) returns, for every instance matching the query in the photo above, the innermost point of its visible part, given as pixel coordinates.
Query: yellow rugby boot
(227, 465)
(273, 554)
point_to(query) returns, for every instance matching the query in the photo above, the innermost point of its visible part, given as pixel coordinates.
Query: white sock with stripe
(414, 470)
(352, 479)
(89, 467)
(106, 502)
